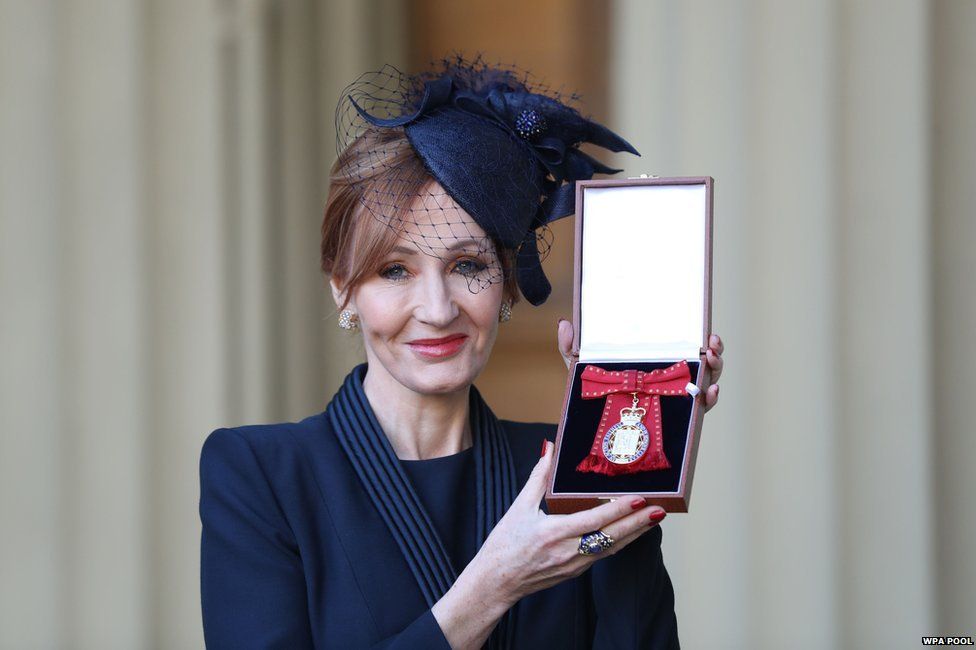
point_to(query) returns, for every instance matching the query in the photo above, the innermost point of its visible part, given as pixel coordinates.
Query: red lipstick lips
(438, 348)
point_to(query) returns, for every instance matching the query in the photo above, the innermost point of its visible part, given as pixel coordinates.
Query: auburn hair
(354, 242)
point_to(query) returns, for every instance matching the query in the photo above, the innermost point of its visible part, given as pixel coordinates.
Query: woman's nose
(435, 304)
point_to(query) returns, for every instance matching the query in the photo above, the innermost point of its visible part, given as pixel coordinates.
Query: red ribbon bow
(619, 387)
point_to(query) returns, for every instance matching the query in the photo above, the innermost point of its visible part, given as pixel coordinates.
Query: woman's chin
(445, 376)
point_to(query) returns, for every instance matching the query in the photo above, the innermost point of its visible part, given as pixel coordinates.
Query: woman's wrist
(471, 608)
(486, 582)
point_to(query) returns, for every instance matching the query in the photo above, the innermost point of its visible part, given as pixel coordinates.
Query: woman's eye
(394, 272)
(469, 266)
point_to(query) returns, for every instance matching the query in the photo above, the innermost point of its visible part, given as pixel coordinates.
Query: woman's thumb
(535, 486)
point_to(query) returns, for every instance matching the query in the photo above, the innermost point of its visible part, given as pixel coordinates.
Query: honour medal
(626, 441)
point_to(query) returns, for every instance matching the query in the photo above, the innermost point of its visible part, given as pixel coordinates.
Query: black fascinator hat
(504, 147)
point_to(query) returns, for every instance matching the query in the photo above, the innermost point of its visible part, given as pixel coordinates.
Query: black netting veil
(468, 159)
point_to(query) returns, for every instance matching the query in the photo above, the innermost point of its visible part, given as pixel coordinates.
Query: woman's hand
(713, 357)
(528, 551)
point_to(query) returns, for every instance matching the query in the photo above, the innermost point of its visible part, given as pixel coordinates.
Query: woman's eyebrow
(464, 243)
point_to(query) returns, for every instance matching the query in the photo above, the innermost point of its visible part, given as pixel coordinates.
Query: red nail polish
(637, 504)
(543, 448)
(657, 516)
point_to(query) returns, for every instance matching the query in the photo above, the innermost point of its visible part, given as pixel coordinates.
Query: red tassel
(595, 462)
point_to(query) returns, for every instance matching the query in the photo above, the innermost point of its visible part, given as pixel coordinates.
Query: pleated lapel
(396, 505)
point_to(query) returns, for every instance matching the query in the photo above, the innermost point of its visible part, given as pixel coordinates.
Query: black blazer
(294, 555)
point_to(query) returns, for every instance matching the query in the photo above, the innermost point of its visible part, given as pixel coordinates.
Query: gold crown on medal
(630, 416)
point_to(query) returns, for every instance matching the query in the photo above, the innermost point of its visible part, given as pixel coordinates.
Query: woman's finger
(564, 339)
(715, 362)
(644, 522)
(711, 397)
(597, 517)
(715, 341)
(625, 530)
(636, 522)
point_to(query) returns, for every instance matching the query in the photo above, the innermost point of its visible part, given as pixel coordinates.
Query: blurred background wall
(163, 168)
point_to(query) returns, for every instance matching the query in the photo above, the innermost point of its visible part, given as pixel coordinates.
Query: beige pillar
(883, 289)
(32, 387)
(953, 151)
(190, 328)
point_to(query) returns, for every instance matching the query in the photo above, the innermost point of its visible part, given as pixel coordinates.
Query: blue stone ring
(594, 543)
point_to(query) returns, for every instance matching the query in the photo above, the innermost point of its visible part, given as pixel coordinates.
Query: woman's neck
(418, 426)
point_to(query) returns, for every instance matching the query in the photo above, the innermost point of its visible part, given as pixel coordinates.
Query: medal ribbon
(619, 386)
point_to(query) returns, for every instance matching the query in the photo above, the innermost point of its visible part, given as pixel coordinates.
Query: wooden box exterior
(568, 502)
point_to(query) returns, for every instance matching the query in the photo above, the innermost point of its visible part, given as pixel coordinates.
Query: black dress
(294, 553)
(446, 486)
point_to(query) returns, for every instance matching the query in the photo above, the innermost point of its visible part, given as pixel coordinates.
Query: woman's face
(429, 320)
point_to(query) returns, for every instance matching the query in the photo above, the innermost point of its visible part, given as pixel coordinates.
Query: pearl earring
(505, 313)
(348, 320)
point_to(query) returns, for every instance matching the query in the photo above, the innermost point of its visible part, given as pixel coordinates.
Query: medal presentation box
(632, 413)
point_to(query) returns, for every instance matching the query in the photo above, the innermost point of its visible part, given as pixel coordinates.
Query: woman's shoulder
(267, 442)
(277, 464)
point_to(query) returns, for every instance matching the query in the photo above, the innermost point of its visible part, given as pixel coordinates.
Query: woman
(406, 515)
